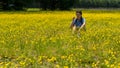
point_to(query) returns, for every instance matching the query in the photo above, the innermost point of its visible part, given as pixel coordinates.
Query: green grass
(43, 40)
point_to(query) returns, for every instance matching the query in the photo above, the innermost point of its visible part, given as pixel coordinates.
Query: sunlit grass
(43, 40)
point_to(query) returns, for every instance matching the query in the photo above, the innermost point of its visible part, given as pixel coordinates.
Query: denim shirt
(78, 23)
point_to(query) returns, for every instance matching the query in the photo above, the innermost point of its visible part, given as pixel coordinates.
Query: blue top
(78, 23)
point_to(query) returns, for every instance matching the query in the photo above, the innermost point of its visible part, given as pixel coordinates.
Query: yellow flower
(112, 65)
(94, 48)
(63, 57)
(106, 62)
(22, 63)
(66, 67)
(94, 65)
(7, 63)
(52, 59)
(1, 63)
(57, 66)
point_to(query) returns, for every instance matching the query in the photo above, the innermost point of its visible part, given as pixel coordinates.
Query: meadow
(44, 40)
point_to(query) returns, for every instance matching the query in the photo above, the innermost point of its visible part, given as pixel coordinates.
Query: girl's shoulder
(83, 19)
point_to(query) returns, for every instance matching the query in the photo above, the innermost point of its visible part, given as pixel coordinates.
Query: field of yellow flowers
(43, 40)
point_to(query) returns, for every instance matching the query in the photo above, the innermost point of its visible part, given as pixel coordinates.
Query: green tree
(65, 4)
(98, 3)
(56, 4)
(14, 4)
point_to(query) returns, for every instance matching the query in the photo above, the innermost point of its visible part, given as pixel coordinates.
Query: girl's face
(78, 15)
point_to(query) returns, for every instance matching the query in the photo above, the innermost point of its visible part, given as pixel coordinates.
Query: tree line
(97, 4)
(57, 4)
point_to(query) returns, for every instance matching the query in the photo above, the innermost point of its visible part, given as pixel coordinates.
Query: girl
(78, 23)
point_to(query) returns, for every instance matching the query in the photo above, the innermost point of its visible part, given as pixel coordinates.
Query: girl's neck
(78, 18)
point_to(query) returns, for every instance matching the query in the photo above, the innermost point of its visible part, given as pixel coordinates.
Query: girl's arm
(83, 24)
(72, 24)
